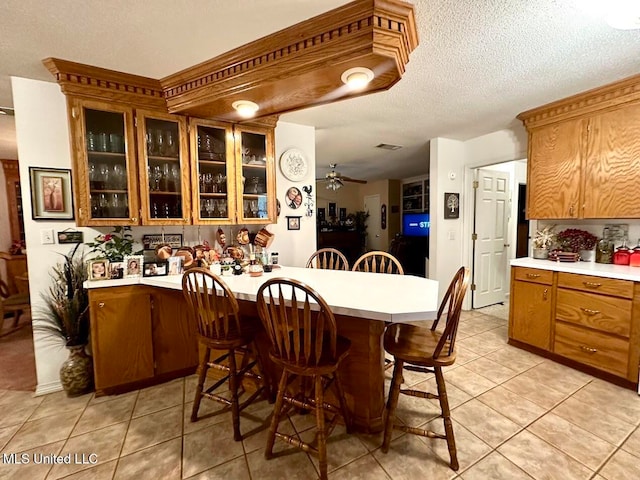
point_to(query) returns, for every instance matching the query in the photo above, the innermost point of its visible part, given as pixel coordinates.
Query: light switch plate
(46, 236)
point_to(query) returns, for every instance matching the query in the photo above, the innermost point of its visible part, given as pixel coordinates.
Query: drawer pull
(544, 294)
(590, 312)
(592, 284)
(101, 304)
(533, 275)
(584, 348)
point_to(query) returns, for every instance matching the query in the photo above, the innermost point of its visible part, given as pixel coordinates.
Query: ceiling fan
(335, 180)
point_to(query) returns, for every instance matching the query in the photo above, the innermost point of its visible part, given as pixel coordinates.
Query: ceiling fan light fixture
(357, 78)
(245, 108)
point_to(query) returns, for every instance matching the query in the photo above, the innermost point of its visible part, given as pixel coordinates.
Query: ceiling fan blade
(354, 180)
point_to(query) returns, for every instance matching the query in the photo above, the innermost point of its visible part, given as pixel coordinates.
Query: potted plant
(66, 316)
(542, 242)
(578, 241)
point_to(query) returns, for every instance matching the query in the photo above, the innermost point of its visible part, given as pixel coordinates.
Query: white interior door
(374, 232)
(491, 246)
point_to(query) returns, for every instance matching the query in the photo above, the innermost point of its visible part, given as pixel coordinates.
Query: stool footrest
(298, 443)
(419, 431)
(414, 368)
(419, 393)
(217, 398)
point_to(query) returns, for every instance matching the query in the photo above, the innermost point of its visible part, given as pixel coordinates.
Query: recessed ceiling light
(245, 108)
(357, 78)
(388, 146)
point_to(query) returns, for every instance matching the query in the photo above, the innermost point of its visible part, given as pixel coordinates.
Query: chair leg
(266, 379)
(204, 366)
(392, 403)
(446, 416)
(343, 403)
(275, 419)
(322, 432)
(233, 386)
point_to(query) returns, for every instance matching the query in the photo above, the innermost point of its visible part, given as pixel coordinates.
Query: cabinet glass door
(255, 166)
(106, 173)
(212, 173)
(412, 194)
(164, 174)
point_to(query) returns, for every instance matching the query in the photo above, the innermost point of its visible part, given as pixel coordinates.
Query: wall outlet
(46, 236)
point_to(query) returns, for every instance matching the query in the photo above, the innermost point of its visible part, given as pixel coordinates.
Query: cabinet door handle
(584, 348)
(101, 304)
(590, 312)
(592, 284)
(571, 211)
(134, 219)
(533, 275)
(544, 294)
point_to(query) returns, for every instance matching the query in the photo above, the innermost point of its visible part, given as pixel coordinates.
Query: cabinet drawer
(534, 275)
(606, 286)
(599, 350)
(609, 314)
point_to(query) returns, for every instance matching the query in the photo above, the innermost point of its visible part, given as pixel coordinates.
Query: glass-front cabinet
(105, 175)
(165, 197)
(212, 173)
(255, 172)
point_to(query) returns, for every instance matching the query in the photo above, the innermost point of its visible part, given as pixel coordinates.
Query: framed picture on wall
(51, 197)
(332, 209)
(343, 214)
(321, 214)
(451, 205)
(293, 223)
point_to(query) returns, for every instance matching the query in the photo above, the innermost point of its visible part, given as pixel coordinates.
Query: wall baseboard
(51, 387)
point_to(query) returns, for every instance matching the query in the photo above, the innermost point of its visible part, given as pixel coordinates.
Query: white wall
(295, 247)
(43, 141)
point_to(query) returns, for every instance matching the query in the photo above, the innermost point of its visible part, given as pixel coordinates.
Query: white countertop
(620, 272)
(377, 296)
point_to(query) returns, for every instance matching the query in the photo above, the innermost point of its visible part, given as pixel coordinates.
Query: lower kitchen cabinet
(139, 335)
(531, 307)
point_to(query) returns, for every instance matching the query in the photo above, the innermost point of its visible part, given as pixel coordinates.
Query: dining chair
(426, 350)
(305, 344)
(15, 304)
(328, 259)
(216, 313)
(378, 262)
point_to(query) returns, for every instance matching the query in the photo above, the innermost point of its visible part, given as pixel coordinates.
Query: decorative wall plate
(293, 165)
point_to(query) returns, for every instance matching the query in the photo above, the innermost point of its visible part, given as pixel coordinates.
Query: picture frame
(68, 236)
(343, 214)
(133, 266)
(332, 209)
(174, 266)
(293, 223)
(116, 270)
(293, 198)
(322, 214)
(98, 269)
(151, 241)
(154, 269)
(451, 205)
(51, 194)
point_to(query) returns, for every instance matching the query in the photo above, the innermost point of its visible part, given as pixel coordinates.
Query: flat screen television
(415, 224)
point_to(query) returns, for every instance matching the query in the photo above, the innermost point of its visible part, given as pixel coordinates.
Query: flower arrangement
(544, 238)
(574, 240)
(114, 246)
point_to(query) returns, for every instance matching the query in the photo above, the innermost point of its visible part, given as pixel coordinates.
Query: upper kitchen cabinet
(584, 154)
(255, 171)
(163, 164)
(103, 150)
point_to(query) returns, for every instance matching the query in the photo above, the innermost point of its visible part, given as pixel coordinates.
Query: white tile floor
(516, 416)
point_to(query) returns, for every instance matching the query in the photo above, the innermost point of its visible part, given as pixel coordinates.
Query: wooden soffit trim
(585, 103)
(97, 83)
(300, 66)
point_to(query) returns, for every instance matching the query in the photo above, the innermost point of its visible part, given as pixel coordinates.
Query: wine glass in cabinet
(165, 196)
(212, 172)
(106, 178)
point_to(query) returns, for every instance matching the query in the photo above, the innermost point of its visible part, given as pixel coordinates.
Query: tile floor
(516, 416)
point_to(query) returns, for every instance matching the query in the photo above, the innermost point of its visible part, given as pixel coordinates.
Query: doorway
(374, 232)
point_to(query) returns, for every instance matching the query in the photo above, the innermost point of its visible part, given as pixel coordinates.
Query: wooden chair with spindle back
(426, 350)
(216, 312)
(15, 304)
(378, 262)
(328, 259)
(304, 343)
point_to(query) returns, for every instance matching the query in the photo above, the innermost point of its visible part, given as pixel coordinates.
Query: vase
(76, 373)
(587, 255)
(540, 253)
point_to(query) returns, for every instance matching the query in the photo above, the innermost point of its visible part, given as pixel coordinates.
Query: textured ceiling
(479, 63)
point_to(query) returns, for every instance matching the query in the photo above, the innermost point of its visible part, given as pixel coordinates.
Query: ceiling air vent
(388, 146)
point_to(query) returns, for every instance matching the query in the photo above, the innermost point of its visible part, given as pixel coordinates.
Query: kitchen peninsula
(140, 330)
(584, 314)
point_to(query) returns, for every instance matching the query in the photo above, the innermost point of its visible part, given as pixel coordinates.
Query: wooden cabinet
(16, 265)
(589, 320)
(531, 306)
(139, 334)
(415, 196)
(14, 199)
(584, 154)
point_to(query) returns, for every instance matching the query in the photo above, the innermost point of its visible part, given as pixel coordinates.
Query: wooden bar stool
(305, 343)
(328, 259)
(378, 262)
(216, 312)
(419, 349)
